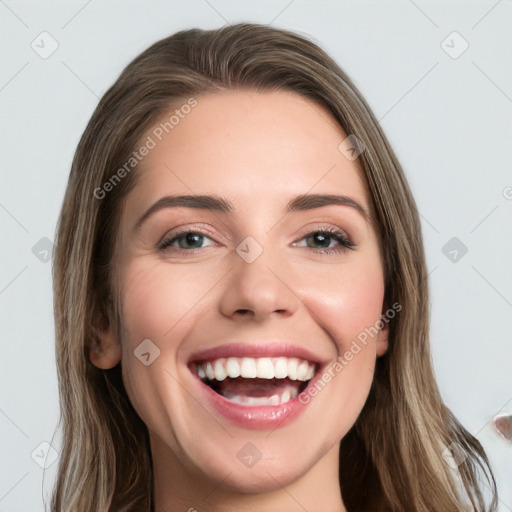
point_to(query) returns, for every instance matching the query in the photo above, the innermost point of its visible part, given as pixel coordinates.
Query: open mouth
(256, 381)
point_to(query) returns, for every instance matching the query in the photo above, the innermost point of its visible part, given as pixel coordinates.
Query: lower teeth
(276, 399)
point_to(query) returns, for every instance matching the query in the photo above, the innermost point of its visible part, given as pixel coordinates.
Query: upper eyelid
(191, 228)
(343, 237)
(182, 230)
(186, 228)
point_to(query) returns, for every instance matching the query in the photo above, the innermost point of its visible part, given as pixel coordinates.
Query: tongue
(256, 387)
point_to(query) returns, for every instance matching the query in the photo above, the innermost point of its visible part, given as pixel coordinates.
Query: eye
(323, 239)
(186, 241)
(327, 240)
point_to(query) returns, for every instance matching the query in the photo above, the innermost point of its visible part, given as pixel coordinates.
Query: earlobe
(104, 349)
(382, 341)
(105, 359)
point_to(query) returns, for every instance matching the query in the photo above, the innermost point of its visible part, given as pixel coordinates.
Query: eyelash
(335, 233)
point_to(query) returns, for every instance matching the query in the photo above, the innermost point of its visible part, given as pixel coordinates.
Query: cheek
(156, 305)
(157, 299)
(346, 301)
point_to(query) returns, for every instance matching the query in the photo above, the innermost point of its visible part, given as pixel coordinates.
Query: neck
(185, 489)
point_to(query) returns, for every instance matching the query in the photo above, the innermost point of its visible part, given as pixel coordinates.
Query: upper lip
(261, 349)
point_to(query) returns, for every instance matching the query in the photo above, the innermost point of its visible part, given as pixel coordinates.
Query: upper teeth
(261, 367)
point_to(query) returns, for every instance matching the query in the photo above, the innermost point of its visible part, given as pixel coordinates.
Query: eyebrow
(222, 205)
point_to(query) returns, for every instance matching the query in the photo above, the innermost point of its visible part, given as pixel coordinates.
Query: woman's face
(259, 281)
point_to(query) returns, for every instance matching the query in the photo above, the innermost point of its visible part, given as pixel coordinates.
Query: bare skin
(257, 151)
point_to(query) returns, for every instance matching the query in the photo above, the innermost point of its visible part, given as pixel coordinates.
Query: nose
(259, 290)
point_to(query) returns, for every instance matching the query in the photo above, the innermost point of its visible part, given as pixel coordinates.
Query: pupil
(322, 239)
(192, 238)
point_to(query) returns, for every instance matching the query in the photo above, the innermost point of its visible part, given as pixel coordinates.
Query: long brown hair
(395, 456)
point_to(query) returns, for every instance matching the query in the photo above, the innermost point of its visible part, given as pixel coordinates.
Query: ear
(104, 348)
(382, 338)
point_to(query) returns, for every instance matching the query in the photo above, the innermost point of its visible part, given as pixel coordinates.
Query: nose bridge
(259, 283)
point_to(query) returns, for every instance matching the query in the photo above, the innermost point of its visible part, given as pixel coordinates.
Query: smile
(255, 390)
(257, 381)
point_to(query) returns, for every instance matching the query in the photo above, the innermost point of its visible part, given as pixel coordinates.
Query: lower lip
(255, 417)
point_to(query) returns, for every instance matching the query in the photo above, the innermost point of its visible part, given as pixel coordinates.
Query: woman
(241, 296)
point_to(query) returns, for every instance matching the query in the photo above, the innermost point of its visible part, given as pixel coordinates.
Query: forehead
(251, 146)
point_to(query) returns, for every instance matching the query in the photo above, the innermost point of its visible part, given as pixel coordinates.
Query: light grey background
(449, 120)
